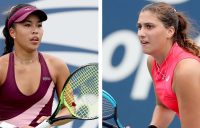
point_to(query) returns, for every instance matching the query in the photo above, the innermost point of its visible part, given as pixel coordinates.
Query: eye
(39, 25)
(149, 26)
(27, 25)
(139, 26)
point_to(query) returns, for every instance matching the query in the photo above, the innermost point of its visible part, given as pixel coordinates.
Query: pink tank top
(163, 76)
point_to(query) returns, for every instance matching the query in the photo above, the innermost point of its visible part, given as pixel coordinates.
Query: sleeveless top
(163, 76)
(20, 110)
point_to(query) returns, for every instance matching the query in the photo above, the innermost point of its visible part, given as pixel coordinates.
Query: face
(152, 33)
(27, 34)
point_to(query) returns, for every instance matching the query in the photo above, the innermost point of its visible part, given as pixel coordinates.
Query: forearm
(162, 117)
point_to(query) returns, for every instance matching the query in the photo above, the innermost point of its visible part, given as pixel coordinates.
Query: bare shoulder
(56, 66)
(187, 75)
(54, 61)
(187, 68)
(4, 60)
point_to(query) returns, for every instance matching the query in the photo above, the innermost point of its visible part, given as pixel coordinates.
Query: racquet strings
(81, 92)
(108, 108)
(110, 111)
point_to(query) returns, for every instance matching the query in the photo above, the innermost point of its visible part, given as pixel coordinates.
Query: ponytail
(182, 36)
(9, 42)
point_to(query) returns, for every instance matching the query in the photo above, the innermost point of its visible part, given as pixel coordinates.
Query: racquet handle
(6, 125)
(44, 124)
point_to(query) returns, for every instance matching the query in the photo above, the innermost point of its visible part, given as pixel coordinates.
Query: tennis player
(173, 63)
(28, 77)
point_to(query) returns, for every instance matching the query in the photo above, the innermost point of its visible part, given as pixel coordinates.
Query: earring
(14, 37)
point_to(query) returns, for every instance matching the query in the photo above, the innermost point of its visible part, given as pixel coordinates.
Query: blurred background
(125, 74)
(70, 33)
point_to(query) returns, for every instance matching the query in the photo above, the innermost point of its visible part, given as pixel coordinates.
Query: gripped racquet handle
(44, 124)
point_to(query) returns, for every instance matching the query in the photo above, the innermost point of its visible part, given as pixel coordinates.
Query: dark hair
(9, 42)
(170, 17)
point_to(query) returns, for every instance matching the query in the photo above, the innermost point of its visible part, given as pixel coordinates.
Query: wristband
(152, 126)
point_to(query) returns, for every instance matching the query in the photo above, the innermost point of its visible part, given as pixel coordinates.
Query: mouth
(35, 39)
(144, 42)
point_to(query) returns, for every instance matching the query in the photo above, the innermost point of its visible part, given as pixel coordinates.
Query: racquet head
(80, 93)
(110, 111)
(109, 106)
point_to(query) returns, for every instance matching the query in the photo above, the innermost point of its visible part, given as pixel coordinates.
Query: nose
(141, 33)
(35, 30)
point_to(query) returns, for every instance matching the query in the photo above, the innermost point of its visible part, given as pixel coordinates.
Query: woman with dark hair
(28, 77)
(173, 63)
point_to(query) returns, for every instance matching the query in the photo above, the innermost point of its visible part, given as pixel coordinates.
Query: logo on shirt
(167, 79)
(46, 78)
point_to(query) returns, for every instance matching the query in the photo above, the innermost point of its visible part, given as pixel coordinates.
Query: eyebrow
(145, 23)
(26, 20)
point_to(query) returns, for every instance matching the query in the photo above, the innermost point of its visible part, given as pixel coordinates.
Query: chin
(146, 51)
(32, 49)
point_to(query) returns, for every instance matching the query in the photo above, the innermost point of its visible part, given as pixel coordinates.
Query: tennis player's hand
(42, 119)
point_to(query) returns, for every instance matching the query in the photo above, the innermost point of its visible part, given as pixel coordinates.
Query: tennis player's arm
(162, 116)
(3, 68)
(187, 89)
(62, 73)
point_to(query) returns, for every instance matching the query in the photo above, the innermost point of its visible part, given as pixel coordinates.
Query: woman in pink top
(173, 63)
(28, 78)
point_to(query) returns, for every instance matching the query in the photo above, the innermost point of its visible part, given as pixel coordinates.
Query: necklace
(161, 72)
(25, 61)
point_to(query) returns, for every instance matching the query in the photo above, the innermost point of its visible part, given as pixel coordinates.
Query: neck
(26, 58)
(162, 55)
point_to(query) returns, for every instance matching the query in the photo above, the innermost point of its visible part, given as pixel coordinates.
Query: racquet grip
(44, 124)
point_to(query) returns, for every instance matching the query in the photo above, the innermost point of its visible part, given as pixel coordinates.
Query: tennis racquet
(79, 96)
(110, 111)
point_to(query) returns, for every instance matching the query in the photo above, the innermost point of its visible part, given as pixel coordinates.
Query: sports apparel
(21, 14)
(163, 76)
(19, 109)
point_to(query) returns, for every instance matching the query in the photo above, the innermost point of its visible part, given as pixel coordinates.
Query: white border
(100, 59)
